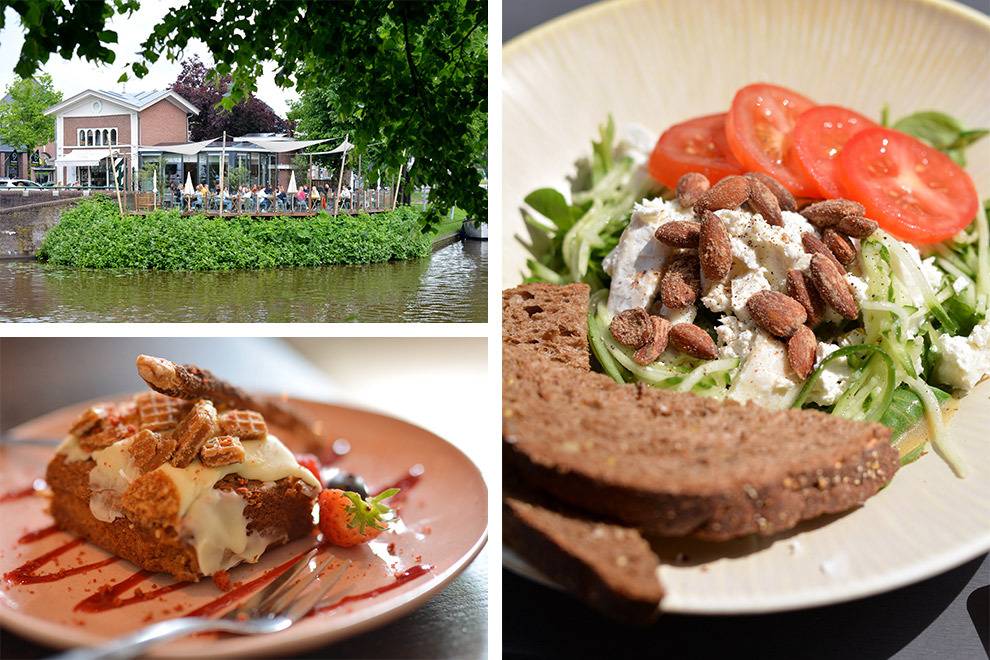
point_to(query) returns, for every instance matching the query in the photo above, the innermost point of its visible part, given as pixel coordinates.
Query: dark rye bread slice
(549, 319)
(678, 464)
(608, 566)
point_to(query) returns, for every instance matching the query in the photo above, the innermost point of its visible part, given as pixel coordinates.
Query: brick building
(93, 123)
(154, 127)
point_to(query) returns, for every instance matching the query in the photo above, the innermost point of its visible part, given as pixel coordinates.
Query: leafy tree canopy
(206, 89)
(23, 123)
(414, 74)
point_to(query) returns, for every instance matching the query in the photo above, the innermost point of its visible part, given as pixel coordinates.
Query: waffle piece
(88, 420)
(105, 435)
(158, 412)
(149, 450)
(152, 499)
(222, 450)
(243, 424)
(193, 431)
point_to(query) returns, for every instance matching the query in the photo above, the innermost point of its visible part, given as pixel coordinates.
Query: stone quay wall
(26, 219)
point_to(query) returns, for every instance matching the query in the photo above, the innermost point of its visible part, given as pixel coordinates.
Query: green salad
(921, 338)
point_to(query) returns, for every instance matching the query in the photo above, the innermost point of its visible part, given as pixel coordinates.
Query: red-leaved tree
(205, 89)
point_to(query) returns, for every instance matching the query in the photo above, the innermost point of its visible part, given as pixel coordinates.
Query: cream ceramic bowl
(658, 62)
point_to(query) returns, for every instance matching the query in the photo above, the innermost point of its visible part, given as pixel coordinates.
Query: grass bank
(94, 235)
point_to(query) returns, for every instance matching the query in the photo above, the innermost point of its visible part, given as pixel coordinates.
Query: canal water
(450, 286)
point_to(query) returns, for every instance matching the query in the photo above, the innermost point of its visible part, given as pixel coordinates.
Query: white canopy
(281, 145)
(344, 146)
(82, 158)
(187, 149)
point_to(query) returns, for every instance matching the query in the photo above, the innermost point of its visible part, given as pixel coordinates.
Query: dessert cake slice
(179, 486)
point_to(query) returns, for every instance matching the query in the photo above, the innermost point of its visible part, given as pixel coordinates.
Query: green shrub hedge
(93, 234)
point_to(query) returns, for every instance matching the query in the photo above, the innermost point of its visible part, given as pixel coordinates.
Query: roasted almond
(679, 233)
(763, 201)
(690, 187)
(813, 245)
(829, 212)
(714, 247)
(778, 314)
(649, 352)
(692, 340)
(681, 284)
(801, 351)
(831, 283)
(784, 197)
(802, 289)
(839, 245)
(729, 193)
(631, 327)
(856, 226)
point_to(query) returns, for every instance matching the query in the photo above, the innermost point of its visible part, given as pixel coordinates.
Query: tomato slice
(819, 135)
(697, 145)
(760, 131)
(913, 191)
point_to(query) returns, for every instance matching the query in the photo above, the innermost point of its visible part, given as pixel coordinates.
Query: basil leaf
(936, 128)
(551, 204)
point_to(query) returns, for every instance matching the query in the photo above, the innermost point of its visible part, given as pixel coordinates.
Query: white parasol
(154, 187)
(188, 190)
(292, 185)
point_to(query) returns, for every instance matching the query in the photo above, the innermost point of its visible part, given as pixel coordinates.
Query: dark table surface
(453, 624)
(947, 616)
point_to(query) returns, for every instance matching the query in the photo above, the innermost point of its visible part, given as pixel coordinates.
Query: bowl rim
(581, 14)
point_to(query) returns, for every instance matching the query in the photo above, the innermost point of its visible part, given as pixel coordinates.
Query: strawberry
(346, 519)
(311, 463)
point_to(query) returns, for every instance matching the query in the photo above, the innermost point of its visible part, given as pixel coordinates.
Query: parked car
(19, 183)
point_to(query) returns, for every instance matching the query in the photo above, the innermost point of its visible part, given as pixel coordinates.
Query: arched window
(89, 138)
(106, 136)
(99, 139)
(113, 136)
(82, 138)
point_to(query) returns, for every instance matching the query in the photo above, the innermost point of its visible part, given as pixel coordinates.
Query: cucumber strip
(906, 409)
(597, 340)
(902, 260)
(887, 392)
(936, 427)
(715, 366)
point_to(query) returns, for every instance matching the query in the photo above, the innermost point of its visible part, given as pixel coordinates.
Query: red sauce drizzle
(18, 494)
(36, 535)
(410, 479)
(226, 600)
(400, 579)
(24, 574)
(109, 596)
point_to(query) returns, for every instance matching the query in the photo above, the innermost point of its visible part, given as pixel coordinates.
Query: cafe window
(82, 138)
(89, 138)
(113, 136)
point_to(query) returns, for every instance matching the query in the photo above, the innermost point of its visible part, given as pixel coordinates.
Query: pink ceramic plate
(444, 519)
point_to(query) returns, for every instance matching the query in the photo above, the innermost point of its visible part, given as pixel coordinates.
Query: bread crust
(679, 464)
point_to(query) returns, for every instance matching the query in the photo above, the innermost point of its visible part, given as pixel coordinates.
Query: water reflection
(451, 286)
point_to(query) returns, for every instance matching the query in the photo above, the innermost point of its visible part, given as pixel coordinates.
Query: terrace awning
(282, 145)
(82, 158)
(187, 149)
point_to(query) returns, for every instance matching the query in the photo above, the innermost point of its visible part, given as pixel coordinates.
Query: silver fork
(274, 608)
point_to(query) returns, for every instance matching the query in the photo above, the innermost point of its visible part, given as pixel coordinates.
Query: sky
(76, 75)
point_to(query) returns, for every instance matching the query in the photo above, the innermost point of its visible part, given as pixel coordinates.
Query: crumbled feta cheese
(965, 360)
(764, 377)
(637, 261)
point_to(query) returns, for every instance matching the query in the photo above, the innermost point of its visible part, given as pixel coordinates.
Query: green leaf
(936, 128)
(552, 205)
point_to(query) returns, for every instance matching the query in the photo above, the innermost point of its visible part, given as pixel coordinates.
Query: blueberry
(336, 478)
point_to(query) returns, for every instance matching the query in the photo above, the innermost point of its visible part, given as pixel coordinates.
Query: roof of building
(137, 102)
